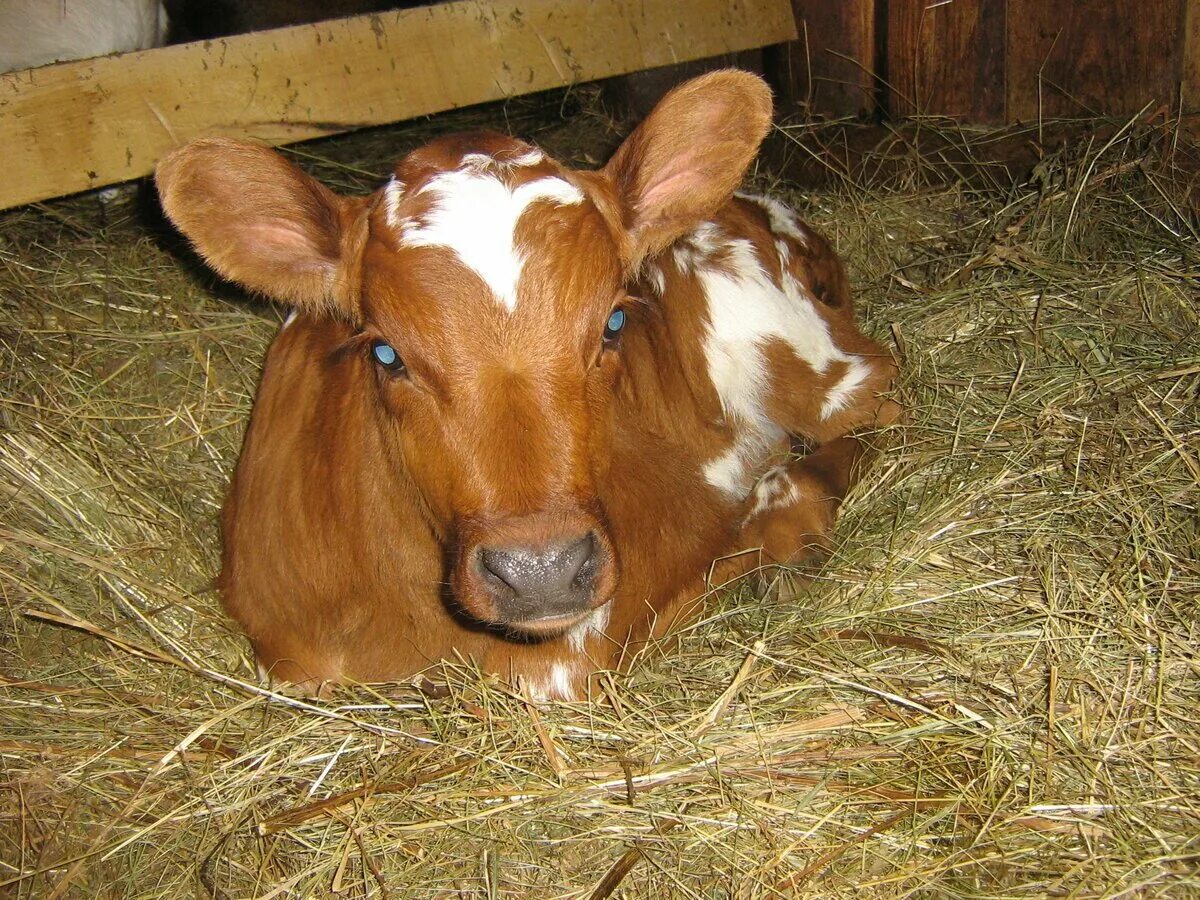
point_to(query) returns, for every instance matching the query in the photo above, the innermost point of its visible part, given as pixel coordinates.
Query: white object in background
(38, 32)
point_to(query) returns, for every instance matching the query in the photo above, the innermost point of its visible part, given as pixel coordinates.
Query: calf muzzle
(541, 588)
(537, 574)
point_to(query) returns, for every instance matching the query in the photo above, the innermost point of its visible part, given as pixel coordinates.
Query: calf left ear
(686, 159)
(260, 221)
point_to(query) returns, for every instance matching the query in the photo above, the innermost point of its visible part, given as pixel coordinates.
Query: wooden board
(830, 68)
(1091, 57)
(81, 125)
(947, 59)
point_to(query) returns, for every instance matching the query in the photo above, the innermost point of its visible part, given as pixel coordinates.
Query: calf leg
(793, 506)
(790, 516)
(790, 513)
(292, 663)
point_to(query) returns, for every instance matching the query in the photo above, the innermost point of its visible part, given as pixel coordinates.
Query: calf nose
(529, 583)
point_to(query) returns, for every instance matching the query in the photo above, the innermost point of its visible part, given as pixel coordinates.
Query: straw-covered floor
(991, 689)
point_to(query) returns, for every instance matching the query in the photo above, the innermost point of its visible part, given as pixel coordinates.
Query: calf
(518, 410)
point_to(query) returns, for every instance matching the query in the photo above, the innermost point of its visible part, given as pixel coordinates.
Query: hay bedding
(989, 690)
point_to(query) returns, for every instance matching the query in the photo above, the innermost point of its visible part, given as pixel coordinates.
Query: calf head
(486, 288)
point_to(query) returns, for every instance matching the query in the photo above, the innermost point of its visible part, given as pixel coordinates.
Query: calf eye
(387, 357)
(612, 328)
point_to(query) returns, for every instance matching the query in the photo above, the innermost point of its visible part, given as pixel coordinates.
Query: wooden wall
(979, 61)
(991, 61)
(831, 67)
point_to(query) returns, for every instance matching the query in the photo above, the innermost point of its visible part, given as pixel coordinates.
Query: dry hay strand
(989, 689)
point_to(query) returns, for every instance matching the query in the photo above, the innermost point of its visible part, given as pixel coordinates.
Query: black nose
(541, 582)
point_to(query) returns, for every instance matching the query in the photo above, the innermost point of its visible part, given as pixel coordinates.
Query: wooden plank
(81, 125)
(830, 68)
(1091, 57)
(947, 59)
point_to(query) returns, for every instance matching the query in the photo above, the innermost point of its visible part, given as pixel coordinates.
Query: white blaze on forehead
(475, 215)
(746, 311)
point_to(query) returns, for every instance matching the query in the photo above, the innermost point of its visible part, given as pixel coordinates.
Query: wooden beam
(81, 125)
(632, 96)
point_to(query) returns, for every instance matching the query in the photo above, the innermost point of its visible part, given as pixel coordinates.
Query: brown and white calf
(519, 410)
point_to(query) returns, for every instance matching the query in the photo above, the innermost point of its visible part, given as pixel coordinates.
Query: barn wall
(991, 61)
(831, 68)
(1093, 56)
(948, 58)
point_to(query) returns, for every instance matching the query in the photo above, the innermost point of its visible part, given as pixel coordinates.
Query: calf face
(487, 282)
(552, 391)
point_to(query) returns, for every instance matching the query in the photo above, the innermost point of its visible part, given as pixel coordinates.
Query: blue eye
(386, 356)
(612, 329)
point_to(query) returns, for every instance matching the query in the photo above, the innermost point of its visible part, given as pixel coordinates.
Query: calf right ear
(260, 221)
(685, 160)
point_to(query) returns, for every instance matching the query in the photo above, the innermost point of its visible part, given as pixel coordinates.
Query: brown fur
(360, 498)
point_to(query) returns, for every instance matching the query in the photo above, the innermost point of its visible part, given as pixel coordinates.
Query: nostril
(579, 562)
(510, 568)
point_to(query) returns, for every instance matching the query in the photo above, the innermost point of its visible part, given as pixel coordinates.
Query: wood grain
(1091, 57)
(81, 125)
(1189, 87)
(830, 68)
(947, 59)
(632, 96)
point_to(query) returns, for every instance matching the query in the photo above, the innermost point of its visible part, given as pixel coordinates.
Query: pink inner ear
(667, 190)
(285, 243)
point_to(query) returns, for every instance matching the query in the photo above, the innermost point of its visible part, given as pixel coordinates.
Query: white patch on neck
(746, 309)
(557, 684)
(841, 393)
(531, 157)
(561, 685)
(292, 316)
(560, 682)
(483, 162)
(694, 249)
(475, 215)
